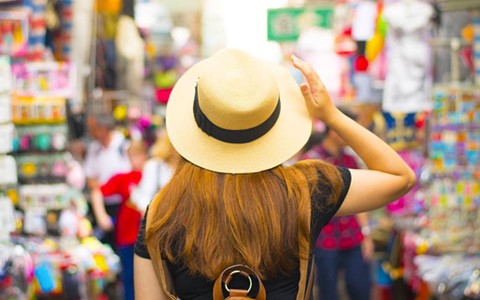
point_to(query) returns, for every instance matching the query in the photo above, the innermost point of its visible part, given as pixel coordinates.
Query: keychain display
(451, 276)
(43, 138)
(38, 110)
(47, 196)
(42, 168)
(455, 133)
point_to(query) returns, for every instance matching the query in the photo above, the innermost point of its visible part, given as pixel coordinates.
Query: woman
(157, 172)
(234, 120)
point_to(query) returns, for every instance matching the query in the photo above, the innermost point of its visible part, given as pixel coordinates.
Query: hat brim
(283, 141)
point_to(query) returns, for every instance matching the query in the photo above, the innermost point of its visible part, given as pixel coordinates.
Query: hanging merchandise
(363, 25)
(476, 48)
(14, 27)
(376, 43)
(451, 219)
(131, 50)
(362, 80)
(36, 39)
(407, 85)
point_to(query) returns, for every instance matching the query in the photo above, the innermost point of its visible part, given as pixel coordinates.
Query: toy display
(38, 110)
(43, 79)
(43, 138)
(42, 168)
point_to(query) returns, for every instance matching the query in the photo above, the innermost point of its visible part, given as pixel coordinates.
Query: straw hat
(233, 113)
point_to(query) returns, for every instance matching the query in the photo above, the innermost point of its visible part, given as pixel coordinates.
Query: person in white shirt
(156, 173)
(106, 156)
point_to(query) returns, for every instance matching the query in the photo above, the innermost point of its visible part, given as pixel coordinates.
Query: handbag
(164, 278)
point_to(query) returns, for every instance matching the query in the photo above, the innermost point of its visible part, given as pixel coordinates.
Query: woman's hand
(317, 99)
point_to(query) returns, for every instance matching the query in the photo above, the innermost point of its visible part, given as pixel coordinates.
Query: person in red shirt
(128, 221)
(344, 242)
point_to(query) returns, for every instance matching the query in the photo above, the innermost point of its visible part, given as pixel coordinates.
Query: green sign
(285, 24)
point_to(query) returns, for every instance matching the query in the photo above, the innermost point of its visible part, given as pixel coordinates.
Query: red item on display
(162, 95)
(361, 64)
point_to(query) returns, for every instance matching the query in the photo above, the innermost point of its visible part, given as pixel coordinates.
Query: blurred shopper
(235, 120)
(128, 221)
(157, 172)
(344, 243)
(106, 156)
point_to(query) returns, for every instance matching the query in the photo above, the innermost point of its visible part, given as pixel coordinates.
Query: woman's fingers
(307, 95)
(314, 82)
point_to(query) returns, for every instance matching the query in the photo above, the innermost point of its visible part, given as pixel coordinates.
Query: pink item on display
(405, 205)
(408, 86)
(43, 79)
(476, 47)
(163, 95)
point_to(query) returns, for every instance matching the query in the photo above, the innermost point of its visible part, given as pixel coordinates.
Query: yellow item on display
(120, 113)
(374, 46)
(12, 194)
(109, 6)
(468, 33)
(29, 169)
(101, 263)
(85, 228)
(422, 248)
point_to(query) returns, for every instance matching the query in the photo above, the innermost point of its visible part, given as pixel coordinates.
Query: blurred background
(409, 70)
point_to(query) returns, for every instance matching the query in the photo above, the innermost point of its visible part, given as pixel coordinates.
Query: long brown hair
(211, 220)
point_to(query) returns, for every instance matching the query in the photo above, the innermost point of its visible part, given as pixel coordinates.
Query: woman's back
(271, 203)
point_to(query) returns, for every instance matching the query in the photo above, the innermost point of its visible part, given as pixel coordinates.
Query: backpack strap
(305, 283)
(160, 267)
